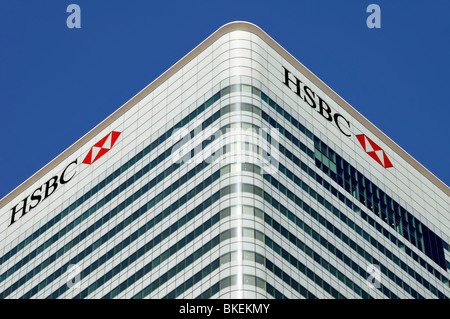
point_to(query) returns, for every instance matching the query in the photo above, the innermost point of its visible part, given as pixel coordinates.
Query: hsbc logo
(48, 188)
(317, 103)
(101, 147)
(374, 151)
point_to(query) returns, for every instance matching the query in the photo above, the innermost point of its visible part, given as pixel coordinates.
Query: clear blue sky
(57, 83)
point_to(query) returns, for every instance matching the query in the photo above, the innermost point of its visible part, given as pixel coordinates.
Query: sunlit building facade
(236, 174)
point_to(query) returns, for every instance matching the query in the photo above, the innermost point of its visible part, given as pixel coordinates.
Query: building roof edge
(227, 28)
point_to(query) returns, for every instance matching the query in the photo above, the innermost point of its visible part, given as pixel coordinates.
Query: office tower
(235, 174)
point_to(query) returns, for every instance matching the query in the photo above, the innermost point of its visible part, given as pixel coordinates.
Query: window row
(381, 204)
(429, 243)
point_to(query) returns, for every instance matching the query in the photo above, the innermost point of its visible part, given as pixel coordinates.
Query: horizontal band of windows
(123, 186)
(250, 167)
(258, 259)
(246, 279)
(350, 204)
(336, 193)
(107, 198)
(209, 102)
(249, 210)
(383, 206)
(127, 202)
(433, 244)
(232, 108)
(183, 199)
(282, 149)
(289, 194)
(196, 233)
(352, 225)
(123, 264)
(189, 260)
(130, 181)
(309, 251)
(207, 270)
(246, 232)
(102, 220)
(339, 214)
(259, 236)
(233, 280)
(158, 141)
(430, 244)
(346, 200)
(228, 257)
(172, 250)
(157, 219)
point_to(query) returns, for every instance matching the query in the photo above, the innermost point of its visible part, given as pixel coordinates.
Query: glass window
(249, 232)
(224, 283)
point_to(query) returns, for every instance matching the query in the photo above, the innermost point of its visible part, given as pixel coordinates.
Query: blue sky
(57, 83)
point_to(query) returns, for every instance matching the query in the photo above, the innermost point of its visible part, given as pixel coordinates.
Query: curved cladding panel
(238, 176)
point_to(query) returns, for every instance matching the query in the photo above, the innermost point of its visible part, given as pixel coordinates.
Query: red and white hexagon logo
(374, 151)
(101, 147)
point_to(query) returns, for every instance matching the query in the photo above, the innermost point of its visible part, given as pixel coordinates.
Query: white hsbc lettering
(42, 192)
(309, 96)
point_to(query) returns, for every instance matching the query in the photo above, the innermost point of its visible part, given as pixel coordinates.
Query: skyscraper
(235, 174)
